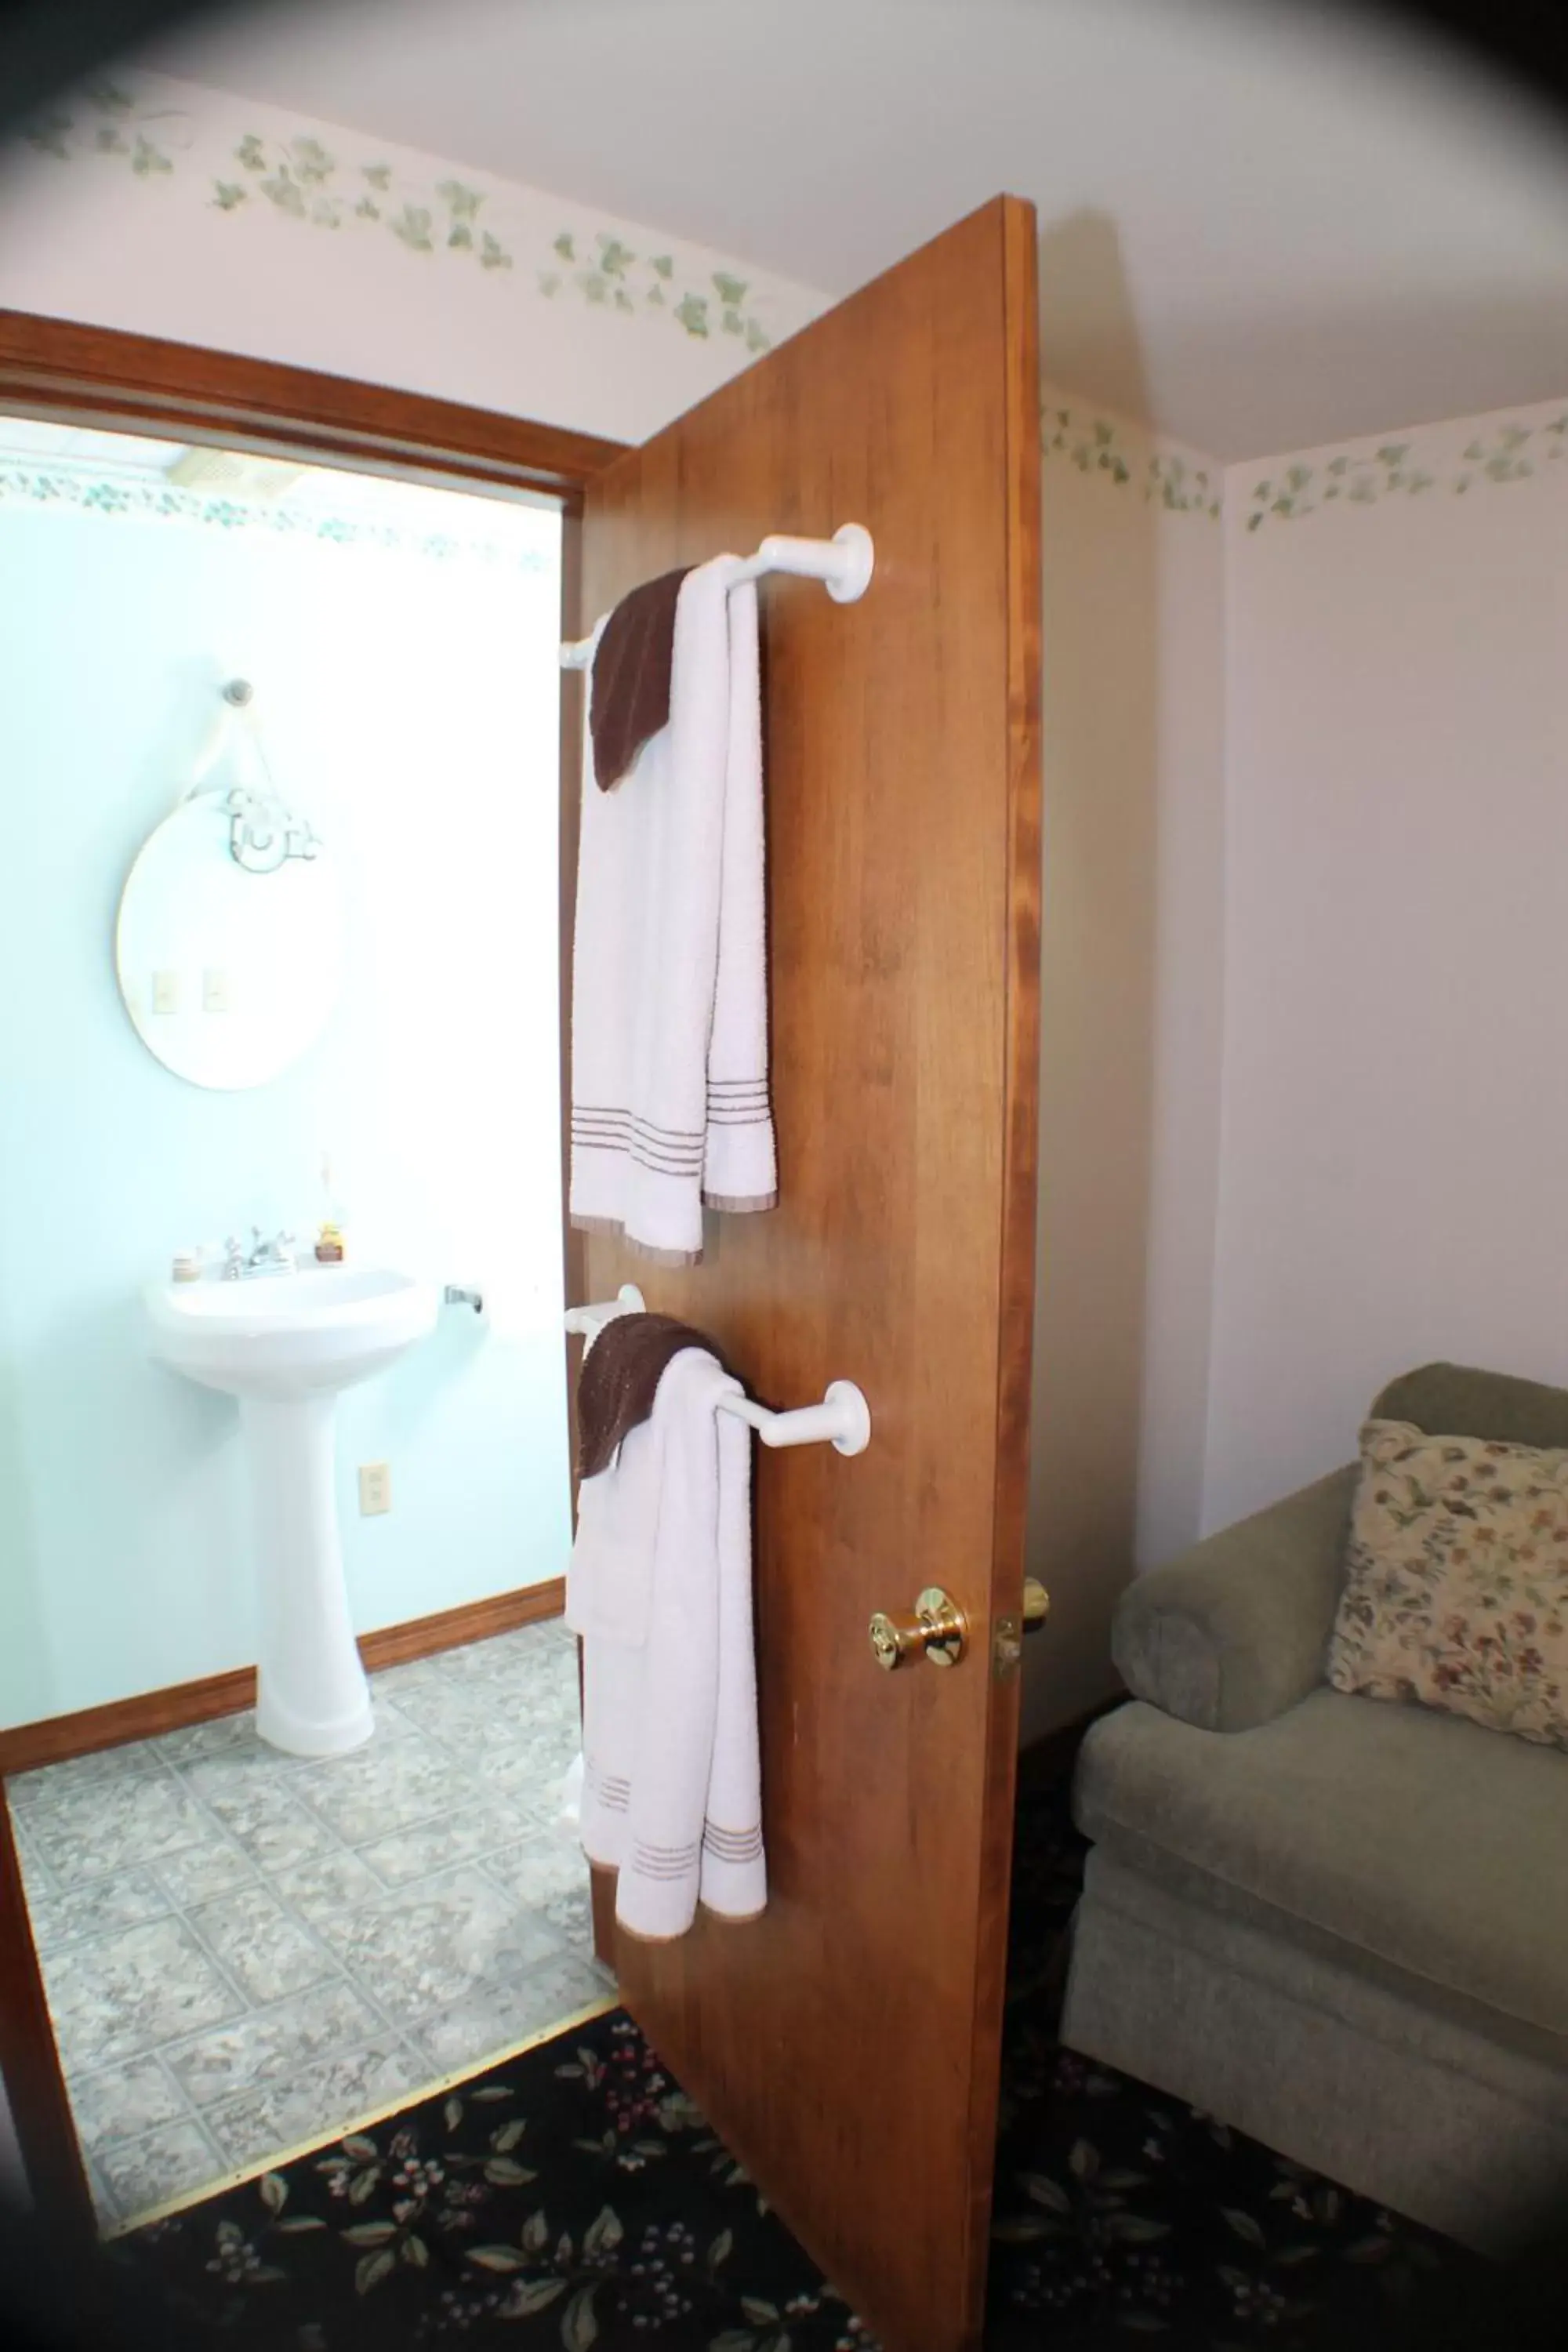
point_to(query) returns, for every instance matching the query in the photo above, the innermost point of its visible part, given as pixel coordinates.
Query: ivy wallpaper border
(1126, 456)
(96, 490)
(1497, 450)
(1453, 460)
(452, 218)
(157, 133)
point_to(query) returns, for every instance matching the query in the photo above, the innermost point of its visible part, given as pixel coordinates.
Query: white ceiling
(1260, 227)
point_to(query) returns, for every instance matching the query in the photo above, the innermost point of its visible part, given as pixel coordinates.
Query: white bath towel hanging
(670, 1029)
(660, 1590)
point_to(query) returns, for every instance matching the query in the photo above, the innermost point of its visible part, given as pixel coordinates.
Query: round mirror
(228, 975)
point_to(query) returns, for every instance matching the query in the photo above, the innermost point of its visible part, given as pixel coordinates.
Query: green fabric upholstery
(1453, 1401)
(1316, 2058)
(1339, 1923)
(1409, 1838)
(1235, 1631)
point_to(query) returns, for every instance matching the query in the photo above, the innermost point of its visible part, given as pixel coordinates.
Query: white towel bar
(843, 1419)
(843, 564)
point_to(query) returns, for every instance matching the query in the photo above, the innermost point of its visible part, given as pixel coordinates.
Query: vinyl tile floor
(243, 1949)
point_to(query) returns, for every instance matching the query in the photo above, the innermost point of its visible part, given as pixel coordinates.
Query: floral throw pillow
(1457, 1590)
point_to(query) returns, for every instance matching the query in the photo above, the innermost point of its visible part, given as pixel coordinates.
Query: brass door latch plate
(1007, 1641)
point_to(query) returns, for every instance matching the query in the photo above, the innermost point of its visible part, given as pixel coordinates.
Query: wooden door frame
(86, 375)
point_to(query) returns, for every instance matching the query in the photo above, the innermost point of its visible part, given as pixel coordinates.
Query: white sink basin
(289, 1335)
(284, 1344)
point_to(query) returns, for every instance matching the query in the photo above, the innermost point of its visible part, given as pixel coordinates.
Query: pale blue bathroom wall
(409, 703)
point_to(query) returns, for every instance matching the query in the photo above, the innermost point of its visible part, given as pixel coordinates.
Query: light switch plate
(375, 1488)
(165, 991)
(214, 990)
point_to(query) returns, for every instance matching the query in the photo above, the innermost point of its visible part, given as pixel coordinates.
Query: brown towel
(630, 697)
(621, 1372)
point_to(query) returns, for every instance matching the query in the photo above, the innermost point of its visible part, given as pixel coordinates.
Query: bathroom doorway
(342, 690)
(904, 923)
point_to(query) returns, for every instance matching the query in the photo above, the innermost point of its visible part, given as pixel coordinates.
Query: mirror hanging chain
(263, 832)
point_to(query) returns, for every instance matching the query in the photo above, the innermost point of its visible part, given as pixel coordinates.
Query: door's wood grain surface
(845, 2044)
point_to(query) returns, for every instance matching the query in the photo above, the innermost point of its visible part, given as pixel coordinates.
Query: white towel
(670, 1017)
(660, 1590)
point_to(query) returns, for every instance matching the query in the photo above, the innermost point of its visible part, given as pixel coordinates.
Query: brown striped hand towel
(659, 1588)
(670, 1106)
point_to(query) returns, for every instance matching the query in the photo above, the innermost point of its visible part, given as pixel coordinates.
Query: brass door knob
(1036, 1604)
(937, 1629)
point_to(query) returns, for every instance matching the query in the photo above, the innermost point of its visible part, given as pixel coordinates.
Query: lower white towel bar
(843, 1419)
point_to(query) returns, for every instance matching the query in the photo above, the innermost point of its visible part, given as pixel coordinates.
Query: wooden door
(845, 2044)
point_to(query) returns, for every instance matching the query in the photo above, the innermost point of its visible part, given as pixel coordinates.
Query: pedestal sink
(284, 1344)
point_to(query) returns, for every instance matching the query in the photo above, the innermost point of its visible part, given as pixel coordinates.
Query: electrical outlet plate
(375, 1488)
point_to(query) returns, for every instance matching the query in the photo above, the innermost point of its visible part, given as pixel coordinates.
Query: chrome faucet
(274, 1256)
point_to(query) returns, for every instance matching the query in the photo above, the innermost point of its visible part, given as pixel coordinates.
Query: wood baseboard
(57, 1736)
(451, 1629)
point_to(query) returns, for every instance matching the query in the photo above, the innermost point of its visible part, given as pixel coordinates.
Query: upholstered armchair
(1339, 1923)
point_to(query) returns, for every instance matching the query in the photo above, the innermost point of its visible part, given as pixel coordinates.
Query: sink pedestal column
(312, 1698)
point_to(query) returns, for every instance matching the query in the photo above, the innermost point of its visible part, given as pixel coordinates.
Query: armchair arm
(1234, 1631)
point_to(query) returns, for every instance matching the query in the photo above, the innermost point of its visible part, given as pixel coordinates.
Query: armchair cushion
(1457, 1588)
(1390, 1838)
(1401, 1838)
(1237, 1630)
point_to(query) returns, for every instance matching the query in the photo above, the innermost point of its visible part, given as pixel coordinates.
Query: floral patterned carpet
(575, 2198)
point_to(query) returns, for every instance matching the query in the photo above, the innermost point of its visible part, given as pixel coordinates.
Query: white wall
(1130, 1028)
(188, 214)
(408, 702)
(1395, 1166)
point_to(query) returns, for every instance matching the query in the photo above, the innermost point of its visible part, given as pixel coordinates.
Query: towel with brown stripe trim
(659, 1588)
(670, 1106)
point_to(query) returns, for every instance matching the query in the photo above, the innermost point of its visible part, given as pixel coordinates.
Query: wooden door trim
(1020, 1181)
(55, 1739)
(88, 375)
(55, 367)
(30, 2071)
